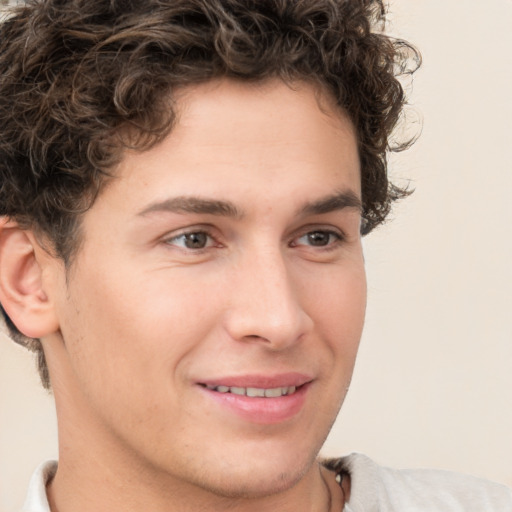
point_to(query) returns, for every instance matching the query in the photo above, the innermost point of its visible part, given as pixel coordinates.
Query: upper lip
(260, 381)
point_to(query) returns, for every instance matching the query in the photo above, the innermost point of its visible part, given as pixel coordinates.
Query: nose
(264, 302)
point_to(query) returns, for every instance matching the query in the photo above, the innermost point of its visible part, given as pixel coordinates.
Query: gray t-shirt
(374, 488)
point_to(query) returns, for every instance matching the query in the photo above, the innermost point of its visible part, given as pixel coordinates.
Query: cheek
(163, 318)
(338, 308)
(342, 312)
(129, 346)
(337, 302)
(133, 331)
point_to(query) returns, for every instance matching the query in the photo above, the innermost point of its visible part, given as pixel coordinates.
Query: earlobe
(22, 293)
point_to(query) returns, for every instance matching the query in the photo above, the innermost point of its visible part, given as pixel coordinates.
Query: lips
(259, 399)
(281, 380)
(255, 392)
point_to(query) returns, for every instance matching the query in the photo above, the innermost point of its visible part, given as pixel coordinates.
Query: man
(184, 189)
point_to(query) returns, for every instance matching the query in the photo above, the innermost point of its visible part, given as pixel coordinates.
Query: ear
(22, 293)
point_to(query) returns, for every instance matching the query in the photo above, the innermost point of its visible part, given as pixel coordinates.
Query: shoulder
(383, 489)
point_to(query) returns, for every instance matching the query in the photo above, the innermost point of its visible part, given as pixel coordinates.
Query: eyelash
(201, 231)
(330, 245)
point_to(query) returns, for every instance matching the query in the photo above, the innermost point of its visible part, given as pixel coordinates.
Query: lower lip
(263, 411)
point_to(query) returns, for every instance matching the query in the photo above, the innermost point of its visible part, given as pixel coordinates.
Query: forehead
(260, 102)
(267, 124)
(240, 114)
(239, 139)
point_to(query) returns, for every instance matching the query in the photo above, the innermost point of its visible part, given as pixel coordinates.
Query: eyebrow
(337, 201)
(199, 205)
(192, 204)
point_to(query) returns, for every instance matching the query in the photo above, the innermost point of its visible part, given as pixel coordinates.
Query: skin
(141, 318)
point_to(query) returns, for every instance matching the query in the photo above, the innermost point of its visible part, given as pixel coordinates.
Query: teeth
(274, 393)
(255, 392)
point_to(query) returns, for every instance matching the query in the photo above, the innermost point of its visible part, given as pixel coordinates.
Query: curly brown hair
(80, 80)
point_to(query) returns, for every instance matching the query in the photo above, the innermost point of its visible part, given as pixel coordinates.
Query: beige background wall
(433, 386)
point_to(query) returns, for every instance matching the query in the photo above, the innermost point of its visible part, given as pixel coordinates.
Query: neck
(86, 485)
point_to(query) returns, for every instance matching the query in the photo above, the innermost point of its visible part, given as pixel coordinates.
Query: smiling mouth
(254, 392)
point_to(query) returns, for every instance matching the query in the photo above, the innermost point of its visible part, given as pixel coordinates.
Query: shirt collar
(37, 500)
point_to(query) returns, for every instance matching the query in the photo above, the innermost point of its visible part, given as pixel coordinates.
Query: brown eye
(319, 238)
(195, 240)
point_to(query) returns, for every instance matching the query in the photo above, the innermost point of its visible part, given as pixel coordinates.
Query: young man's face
(224, 262)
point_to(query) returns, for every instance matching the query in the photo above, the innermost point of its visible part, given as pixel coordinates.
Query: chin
(256, 477)
(252, 485)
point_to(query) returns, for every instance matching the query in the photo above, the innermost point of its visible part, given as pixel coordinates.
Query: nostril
(255, 337)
